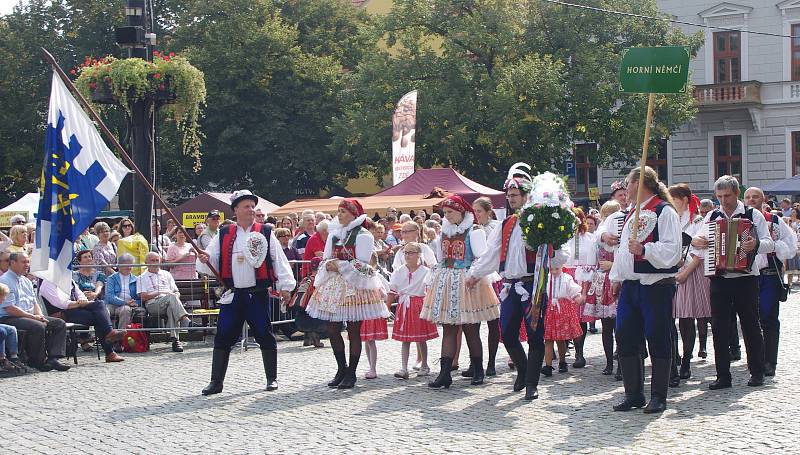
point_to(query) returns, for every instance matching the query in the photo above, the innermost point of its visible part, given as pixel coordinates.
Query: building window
(585, 171)
(727, 57)
(657, 159)
(795, 153)
(796, 53)
(728, 156)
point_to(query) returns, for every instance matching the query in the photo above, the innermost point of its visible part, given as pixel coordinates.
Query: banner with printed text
(404, 126)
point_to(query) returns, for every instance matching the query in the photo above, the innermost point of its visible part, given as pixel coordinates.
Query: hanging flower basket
(171, 82)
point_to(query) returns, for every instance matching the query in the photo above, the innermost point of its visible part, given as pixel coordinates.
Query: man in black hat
(229, 251)
(212, 227)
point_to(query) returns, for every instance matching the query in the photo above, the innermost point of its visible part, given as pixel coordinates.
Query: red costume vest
(227, 237)
(508, 227)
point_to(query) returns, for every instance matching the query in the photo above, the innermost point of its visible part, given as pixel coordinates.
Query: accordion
(724, 253)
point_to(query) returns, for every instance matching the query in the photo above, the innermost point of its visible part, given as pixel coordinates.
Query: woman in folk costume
(693, 295)
(449, 301)
(407, 287)
(347, 287)
(562, 319)
(581, 265)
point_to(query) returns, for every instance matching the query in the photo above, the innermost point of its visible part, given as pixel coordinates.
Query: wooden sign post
(652, 70)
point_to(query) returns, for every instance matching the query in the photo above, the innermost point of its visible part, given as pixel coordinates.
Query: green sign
(654, 69)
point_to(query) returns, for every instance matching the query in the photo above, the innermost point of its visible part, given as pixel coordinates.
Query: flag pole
(645, 146)
(123, 154)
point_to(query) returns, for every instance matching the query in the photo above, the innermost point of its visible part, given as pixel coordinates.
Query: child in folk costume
(347, 288)
(562, 318)
(605, 304)
(407, 286)
(449, 301)
(373, 330)
(581, 265)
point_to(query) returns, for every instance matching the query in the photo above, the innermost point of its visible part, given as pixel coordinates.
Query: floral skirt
(562, 321)
(605, 305)
(337, 300)
(448, 300)
(374, 330)
(408, 326)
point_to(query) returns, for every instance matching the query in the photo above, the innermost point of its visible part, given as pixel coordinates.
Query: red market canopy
(423, 181)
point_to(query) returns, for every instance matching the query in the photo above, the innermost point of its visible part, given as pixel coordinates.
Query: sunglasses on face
(282, 236)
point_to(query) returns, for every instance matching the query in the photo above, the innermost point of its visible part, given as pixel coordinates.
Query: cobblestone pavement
(151, 403)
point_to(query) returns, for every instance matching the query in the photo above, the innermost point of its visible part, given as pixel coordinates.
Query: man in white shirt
(212, 223)
(737, 292)
(643, 275)
(229, 252)
(770, 268)
(160, 295)
(516, 264)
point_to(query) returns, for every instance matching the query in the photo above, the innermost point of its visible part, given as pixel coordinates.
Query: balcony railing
(728, 93)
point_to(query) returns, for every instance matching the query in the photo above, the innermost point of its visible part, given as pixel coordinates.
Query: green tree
(502, 81)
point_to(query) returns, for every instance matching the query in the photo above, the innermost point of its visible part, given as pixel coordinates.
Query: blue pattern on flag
(69, 199)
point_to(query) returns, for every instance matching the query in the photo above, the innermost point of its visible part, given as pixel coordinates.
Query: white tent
(28, 204)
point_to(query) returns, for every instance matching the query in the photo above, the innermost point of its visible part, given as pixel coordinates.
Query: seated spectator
(3, 262)
(90, 280)
(133, 243)
(182, 252)
(122, 300)
(77, 309)
(199, 228)
(19, 240)
(160, 296)
(315, 247)
(45, 336)
(104, 252)
(158, 241)
(260, 216)
(210, 230)
(86, 241)
(9, 344)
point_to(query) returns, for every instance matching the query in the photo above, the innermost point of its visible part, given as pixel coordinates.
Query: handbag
(783, 292)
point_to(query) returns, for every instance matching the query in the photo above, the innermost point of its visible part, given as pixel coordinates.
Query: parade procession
(645, 226)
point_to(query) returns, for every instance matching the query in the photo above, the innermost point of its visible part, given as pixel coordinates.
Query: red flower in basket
(157, 76)
(92, 85)
(162, 87)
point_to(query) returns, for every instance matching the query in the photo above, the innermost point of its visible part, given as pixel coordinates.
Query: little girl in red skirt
(562, 320)
(407, 287)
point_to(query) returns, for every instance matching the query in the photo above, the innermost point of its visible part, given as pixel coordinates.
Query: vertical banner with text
(404, 126)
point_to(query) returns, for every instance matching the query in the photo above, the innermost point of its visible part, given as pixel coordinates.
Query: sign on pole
(654, 70)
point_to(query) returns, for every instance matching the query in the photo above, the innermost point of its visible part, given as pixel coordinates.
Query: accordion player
(724, 252)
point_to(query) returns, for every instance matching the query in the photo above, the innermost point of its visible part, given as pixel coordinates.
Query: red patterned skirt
(408, 326)
(562, 321)
(590, 299)
(374, 330)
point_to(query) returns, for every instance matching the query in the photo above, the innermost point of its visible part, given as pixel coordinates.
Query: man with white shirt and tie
(230, 253)
(643, 276)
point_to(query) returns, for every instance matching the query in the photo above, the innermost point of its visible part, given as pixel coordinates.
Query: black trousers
(42, 340)
(739, 296)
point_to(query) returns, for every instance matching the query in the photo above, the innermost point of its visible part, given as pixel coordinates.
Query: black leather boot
(633, 381)
(686, 369)
(674, 377)
(350, 379)
(580, 360)
(518, 357)
(341, 364)
(270, 359)
(219, 365)
(444, 379)
(658, 386)
(469, 371)
(771, 337)
(535, 359)
(478, 373)
(609, 369)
